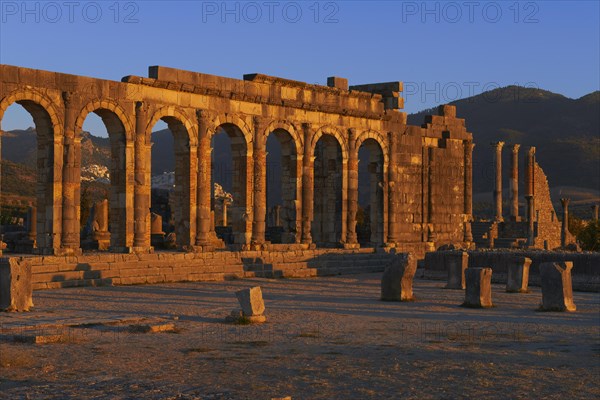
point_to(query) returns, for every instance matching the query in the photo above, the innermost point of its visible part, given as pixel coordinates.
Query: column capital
(565, 201)
(141, 107)
(531, 150)
(515, 148)
(497, 145)
(469, 145)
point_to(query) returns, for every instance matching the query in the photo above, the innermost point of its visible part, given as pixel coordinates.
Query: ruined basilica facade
(420, 176)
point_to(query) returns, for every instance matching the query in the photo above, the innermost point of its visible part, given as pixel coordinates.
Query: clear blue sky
(441, 50)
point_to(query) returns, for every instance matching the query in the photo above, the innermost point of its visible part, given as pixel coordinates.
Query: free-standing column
(468, 190)
(71, 179)
(595, 212)
(352, 187)
(498, 175)
(203, 197)
(530, 219)
(141, 237)
(307, 184)
(565, 221)
(392, 198)
(514, 183)
(260, 182)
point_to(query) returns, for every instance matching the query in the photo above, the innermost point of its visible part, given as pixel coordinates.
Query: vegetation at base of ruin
(586, 232)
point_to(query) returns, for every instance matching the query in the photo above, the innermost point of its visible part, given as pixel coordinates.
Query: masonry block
(397, 279)
(456, 263)
(478, 293)
(16, 289)
(518, 274)
(557, 288)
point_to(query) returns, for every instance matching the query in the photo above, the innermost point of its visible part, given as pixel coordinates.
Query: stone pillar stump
(456, 263)
(518, 275)
(16, 290)
(479, 288)
(557, 288)
(397, 279)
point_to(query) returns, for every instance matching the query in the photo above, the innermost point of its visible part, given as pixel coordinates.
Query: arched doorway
(43, 160)
(282, 188)
(370, 218)
(327, 224)
(120, 170)
(173, 176)
(232, 211)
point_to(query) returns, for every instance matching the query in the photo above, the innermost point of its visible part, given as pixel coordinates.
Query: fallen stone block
(456, 263)
(518, 275)
(16, 288)
(251, 301)
(557, 287)
(397, 279)
(478, 293)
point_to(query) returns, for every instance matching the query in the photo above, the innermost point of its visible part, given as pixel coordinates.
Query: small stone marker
(518, 275)
(397, 279)
(253, 306)
(479, 288)
(456, 263)
(16, 289)
(557, 288)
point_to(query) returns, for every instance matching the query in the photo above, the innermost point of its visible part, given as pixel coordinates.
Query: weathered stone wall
(586, 266)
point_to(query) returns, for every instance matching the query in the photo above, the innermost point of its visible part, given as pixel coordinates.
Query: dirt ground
(325, 338)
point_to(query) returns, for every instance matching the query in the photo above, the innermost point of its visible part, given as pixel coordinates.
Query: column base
(351, 246)
(142, 249)
(516, 219)
(121, 249)
(200, 248)
(65, 251)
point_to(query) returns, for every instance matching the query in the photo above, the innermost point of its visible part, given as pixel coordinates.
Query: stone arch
(284, 220)
(185, 142)
(330, 190)
(224, 120)
(290, 129)
(49, 163)
(174, 114)
(121, 198)
(380, 139)
(97, 105)
(372, 228)
(336, 133)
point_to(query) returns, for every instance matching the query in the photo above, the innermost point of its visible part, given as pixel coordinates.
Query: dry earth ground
(325, 338)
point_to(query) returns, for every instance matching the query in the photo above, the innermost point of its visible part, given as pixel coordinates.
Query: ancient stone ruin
(419, 176)
(540, 228)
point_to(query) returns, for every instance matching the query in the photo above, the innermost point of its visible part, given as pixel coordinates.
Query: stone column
(498, 175)
(530, 219)
(468, 190)
(514, 183)
(595, 212)
(203, 187)
(71, 179)
(352, 187)
(307, 184)
(530, 173)
(564, 232)
(260, 182)
(32, 224)
(142, 188)
(392, 238)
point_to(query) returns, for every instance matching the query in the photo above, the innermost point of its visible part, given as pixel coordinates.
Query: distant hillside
(20, 146)
(565, 132)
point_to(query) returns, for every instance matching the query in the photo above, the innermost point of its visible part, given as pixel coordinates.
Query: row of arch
(330, 151)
